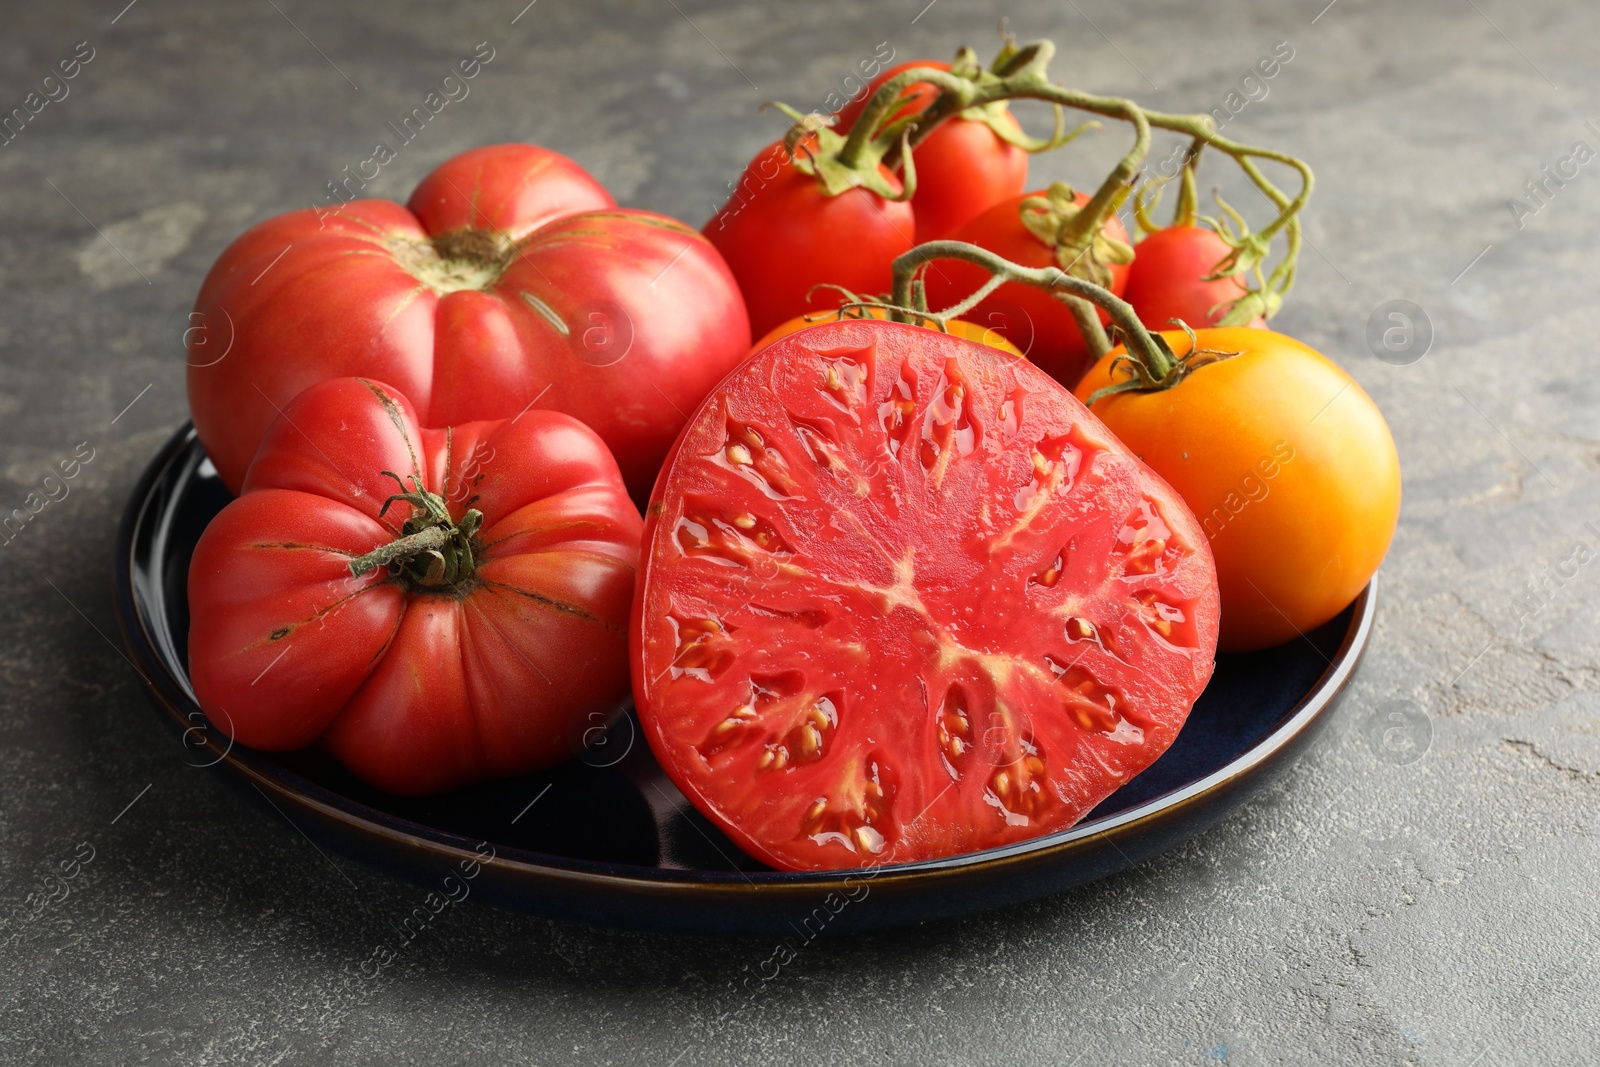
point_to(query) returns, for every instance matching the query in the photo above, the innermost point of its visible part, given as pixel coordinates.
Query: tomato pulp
(510, 281)
(903, 597)
(416, 684)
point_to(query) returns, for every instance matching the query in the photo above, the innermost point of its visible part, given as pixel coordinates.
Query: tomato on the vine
(1285, 460)
(902, 597)
(969, 331)
(485, 633)
(1167, 278)
(963, 167)
(1057, 345)
(510, 281)
(783, 234)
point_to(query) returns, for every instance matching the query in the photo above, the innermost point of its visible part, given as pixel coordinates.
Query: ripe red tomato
(1166, 279)
(782, 234)
(510, 280)
(902, 597)
(492, 661)
(971, 331)
(1023, 313)
(1286, 461)
(963, 166)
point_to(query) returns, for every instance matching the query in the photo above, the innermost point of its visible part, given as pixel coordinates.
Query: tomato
(1023, 312)
(493, 663)
(1287, 462)
(902, 597)
(782, 235)
(511, 280)
(970, 331)
(1166, 279)
(963, 166)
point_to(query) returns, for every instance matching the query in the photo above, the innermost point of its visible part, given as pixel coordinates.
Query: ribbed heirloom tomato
(510, 280)
(487, 631)
(902, 597)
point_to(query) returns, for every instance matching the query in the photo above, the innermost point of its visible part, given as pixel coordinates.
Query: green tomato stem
(1188, 206)
(1094, 334)
(403, 549)
(1147, 349)
(433, 551)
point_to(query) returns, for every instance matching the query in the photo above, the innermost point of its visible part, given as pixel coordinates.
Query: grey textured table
(1418, 890)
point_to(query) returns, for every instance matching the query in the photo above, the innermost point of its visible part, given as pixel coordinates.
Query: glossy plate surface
(607, 838)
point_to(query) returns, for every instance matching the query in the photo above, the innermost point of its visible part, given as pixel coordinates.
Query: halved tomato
(903, 597)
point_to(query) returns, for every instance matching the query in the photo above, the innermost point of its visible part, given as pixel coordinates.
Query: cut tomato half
(903, 597)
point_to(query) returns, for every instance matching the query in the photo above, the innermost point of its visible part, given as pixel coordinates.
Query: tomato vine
(877, 138)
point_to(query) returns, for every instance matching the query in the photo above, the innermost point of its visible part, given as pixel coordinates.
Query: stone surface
(1368, 910)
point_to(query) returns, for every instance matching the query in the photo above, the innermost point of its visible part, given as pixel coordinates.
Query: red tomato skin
(963, 167)
(1166, 279)
(1057, 347)
(415, 691)
(781, 234)
(310, 295)
(941, 819)
(509, 188)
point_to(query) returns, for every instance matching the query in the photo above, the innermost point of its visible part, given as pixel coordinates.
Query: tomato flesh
(903, 597)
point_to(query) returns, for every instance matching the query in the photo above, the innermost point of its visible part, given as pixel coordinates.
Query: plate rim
(169, 692)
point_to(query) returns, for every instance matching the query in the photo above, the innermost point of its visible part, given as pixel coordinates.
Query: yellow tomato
(971, 331)
(1286, 462)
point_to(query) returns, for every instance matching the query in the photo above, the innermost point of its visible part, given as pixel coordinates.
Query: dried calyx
(433, 552)
(468, 258)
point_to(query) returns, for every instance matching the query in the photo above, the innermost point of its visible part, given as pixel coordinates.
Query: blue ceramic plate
(607, 838)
